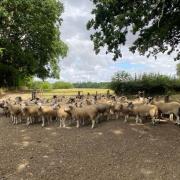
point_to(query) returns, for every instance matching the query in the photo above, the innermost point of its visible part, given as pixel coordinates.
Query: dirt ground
(112, 151)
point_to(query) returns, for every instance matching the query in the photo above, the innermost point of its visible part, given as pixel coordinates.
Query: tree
(155, 23)
(178, 70)
(121, 76)
(30, 38)
(62, 85)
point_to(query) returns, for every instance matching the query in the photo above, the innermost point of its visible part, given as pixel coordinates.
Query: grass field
(49, 93)
(74, 91)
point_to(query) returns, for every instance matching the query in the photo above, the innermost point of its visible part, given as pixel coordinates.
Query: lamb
(144, 110)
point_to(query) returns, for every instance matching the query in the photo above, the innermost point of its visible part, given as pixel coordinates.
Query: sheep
(47, 112)
(144, 110)
(15, 111)
(116, 110)
(105, 109)
(5, 109)
(31, 112)
(62, 115)
(122, 109)
(119, 109)
(171, 108)
(83, 113)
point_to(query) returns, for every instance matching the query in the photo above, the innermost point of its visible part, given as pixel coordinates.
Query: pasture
(49, 93)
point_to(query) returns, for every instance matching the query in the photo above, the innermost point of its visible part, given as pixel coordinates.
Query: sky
(82, 64)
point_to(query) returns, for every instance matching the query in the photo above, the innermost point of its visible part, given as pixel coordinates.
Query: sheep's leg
(98, 119)
(177, 120)
(137, 119)
(83, 122)
(28, 121)
(153, 121)
(43, 121)
(56, 119)
(117, 116)
(64, 123)
(20, 119)
(171, 117)
(107, 117)
(48, 120)
(140, 120)
(157, 120)
(77, 125)
(126, 118)
(93, 123)
(16, 120)
(31, 120)
(60, 122)
(51, 119)
(12, 120)
(101, 117)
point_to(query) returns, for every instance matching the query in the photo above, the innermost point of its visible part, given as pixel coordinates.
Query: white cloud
(82, 64)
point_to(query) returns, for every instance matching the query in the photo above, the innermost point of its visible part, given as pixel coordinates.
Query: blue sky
(82, 64)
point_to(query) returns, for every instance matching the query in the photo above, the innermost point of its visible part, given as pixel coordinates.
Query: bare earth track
(112, 151)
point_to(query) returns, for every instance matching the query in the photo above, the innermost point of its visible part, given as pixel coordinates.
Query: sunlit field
(74, 91)
(60, 92)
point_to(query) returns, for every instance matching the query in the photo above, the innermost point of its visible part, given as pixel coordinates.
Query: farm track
(112, 151)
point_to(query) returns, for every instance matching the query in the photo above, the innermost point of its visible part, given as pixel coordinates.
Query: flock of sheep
(81, 110)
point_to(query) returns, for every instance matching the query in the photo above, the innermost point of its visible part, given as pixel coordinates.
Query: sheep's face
(130, 106)
(150, 99)
(56, 106)
(68, 109)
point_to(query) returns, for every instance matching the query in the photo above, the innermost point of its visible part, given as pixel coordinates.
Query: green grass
(74, 91)
(59, 92)
(66, 92)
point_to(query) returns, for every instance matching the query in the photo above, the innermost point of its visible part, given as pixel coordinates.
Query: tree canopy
(155, 23)
(30, 39)
(121, 76)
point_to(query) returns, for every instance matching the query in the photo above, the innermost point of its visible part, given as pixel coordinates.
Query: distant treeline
(32, 84)
(98, 85)
(48, 85)
(152, 84)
